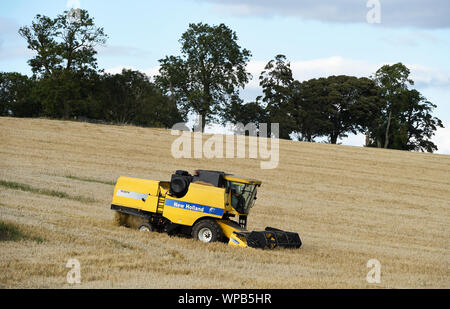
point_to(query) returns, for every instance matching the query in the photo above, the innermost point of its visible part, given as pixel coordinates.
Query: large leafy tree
(310, 113)
(130, 97)
(66, 94)
(249, 113)
(417, 123)
(405, 120)
(16, 96)
(351, 102)
(335, 106)
(63, 43)
(332, 106)
(413, 125)
(65, 60)
(210, 72)
(393, 81)
(277, 85)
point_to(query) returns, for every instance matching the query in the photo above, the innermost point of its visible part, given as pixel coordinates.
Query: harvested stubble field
(349, 205)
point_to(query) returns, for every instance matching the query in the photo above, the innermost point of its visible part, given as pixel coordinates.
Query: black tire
(207, 231)
(145, 227)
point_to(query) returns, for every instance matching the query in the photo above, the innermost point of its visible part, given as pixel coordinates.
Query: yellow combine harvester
(202, 205)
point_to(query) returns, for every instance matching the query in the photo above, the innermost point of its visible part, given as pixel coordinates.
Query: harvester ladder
(161, 202)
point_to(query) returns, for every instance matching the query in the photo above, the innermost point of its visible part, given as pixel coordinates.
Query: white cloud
(118, 69)
(354, 140)
(11, 44)
(442, 140)
(12, 52)
(304, 70)
(412, 39)
(322, 67)
(423, 76)
(122, 51)
(8, 27)
(394, 13)
(151, 72)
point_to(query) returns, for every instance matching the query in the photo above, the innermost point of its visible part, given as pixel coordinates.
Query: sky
(319, 37)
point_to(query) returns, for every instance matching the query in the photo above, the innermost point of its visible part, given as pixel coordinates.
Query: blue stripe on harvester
(195, 207)
(235, 241)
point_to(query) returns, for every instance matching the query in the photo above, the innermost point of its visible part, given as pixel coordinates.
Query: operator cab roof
(217, 178)
(243, 180)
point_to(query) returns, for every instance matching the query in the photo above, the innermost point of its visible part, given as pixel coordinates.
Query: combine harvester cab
(210, 206)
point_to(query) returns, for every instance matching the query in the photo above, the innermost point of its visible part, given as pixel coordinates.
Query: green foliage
(310, 114)
(382, 107)
(130, 97)
(16, 96)
(11, 232)
(206, 79)
(65, 61)
(209, 73)
(85, 179)
(335, 106)
(405, 121)
(63, 43)
(59, 194)
(66, 82)
(412, 125)
(393, 80)
(332, 106)
(238, 112)
(65, 94)
(276, 81)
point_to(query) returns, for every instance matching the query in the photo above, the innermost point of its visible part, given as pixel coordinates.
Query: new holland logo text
(194, 207)
(189, 207)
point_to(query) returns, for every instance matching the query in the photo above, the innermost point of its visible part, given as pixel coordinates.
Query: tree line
(206, 79)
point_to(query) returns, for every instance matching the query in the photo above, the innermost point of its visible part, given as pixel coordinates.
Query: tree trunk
(203, 122)
(66, 113)
(386, 141)
(334, 138)
(367, 138)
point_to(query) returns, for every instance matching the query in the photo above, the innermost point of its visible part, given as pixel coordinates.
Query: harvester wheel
(207, 231)
(145, 227)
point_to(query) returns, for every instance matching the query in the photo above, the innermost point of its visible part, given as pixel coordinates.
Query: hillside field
(349, 205)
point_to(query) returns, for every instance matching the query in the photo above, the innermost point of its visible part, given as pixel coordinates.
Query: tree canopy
(68, 84)
(404, 121)
(63, 43)
(207, 79)
(208, 75)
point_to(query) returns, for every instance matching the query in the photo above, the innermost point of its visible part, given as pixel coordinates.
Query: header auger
(209, 205)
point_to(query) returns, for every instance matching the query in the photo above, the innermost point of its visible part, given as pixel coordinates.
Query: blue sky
(320, 38)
